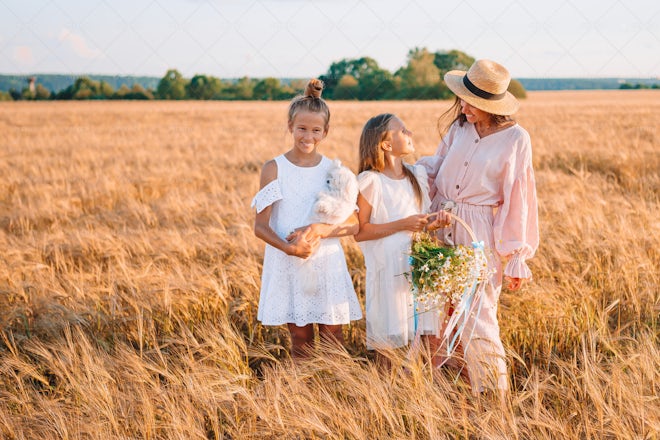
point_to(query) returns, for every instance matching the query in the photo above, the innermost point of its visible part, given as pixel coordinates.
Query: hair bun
(314, 88)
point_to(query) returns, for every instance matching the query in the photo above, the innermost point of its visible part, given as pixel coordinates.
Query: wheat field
(129, 281)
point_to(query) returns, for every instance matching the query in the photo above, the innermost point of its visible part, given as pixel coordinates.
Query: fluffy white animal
(337, 201)
(334, 204)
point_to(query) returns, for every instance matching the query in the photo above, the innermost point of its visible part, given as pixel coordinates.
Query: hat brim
(504, 106)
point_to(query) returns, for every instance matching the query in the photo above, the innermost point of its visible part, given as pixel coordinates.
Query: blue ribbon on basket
(416, 318)
(411, 261)
(460, 315)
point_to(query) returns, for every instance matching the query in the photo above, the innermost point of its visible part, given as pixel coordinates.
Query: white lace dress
(390, 306)
(314, 290)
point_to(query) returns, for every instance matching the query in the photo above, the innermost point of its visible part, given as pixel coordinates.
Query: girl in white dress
(288, 189)
(393, 203)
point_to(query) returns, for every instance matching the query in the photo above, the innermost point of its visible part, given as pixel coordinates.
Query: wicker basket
(456, 311)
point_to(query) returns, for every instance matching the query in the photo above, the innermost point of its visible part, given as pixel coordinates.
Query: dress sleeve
(375, 255)
(516, 226)
(368, 187)
(268, 195)
(422, 178)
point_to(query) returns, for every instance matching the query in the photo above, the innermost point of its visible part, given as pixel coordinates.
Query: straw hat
(484, 86)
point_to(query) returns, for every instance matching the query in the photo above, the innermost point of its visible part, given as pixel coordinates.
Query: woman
(482, 171)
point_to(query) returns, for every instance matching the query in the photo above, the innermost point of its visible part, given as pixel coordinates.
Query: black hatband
(481, 93)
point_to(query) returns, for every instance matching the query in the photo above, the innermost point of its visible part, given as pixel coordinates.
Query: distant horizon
(59, 83)
(77, 75)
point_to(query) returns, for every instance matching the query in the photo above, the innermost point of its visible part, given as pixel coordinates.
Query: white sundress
(390, 306)
(286, 295)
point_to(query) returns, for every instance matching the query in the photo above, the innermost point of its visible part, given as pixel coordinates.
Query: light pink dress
(491, 181)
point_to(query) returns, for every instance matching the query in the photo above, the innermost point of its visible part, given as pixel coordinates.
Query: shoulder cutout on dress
(268, 195)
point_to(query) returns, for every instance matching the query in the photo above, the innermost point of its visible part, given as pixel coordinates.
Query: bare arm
(299, 246)
(326, 230)
(373, 231)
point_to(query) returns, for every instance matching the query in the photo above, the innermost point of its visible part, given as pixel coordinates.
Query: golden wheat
(129, 280)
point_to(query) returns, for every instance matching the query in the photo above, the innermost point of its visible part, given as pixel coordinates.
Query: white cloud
(78, 44)
(23, 55)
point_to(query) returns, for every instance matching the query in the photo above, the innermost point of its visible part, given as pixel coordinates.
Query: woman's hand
(437, 220)
(514, 283)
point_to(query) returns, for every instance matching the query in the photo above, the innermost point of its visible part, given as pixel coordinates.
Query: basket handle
(465, 225)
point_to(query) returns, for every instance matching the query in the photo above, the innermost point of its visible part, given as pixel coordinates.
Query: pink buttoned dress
(491, 181)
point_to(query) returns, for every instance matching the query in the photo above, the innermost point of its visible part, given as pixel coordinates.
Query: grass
(129, 281)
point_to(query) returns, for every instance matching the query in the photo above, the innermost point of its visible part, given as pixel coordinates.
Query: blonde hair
(372, 157)
(310, 101)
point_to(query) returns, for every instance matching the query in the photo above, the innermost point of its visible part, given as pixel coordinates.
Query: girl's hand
(301, 245)
(414, 223)
(437, 220)
(295, 234)
(310, 232)
(514, 283)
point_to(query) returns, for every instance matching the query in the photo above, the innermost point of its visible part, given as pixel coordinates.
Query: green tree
(636, 86)
(378, 84)
(105, 90)
(5, 96)
(136, 92)
(41, 93)
(244, 88)
(420, 79)
(171, 86)
(14, 94)
(139, 92)
(452, 60)
(348, 87)
(517, 89)
(269, 89)
(298, 85)
(122, 92)
(373, 81)
(203, 87)
(26, 94)
(86, 88)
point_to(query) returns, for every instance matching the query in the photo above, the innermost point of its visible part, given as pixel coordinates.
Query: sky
(301, 39)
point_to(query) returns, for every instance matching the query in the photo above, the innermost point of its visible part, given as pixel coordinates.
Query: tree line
(635, 86)
(348, 79)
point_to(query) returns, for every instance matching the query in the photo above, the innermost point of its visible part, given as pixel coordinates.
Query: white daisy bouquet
(441, 275)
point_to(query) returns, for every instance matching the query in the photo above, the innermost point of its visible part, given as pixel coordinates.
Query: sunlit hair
(454, 114)
(310, 101)
(372, 156)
